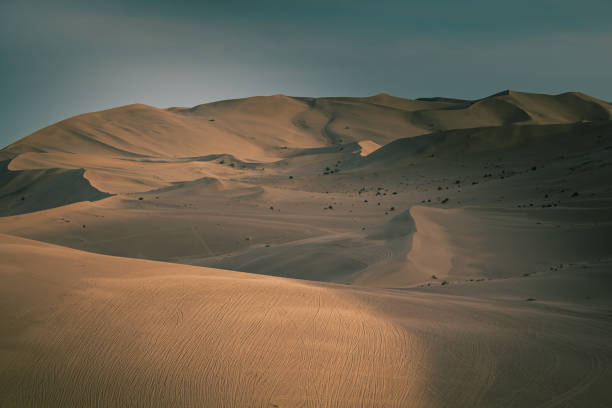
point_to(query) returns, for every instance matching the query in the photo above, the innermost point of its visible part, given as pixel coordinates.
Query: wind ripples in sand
(207, 340)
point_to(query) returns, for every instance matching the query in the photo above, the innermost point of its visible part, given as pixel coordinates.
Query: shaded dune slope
(26, 191)
(539, 140)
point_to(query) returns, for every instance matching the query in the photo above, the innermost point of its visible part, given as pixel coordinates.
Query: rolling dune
(127, 332)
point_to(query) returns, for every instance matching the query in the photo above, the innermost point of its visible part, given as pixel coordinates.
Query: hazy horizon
(72, 57)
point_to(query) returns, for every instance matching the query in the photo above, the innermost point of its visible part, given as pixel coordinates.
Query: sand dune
(392, 252)
(257, 127)
(126, 332)
(97, 329)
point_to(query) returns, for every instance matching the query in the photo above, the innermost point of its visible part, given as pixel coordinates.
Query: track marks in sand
(154, 334)
(198, 237)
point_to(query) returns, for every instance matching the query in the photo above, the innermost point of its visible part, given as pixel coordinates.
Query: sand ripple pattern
(215, 341)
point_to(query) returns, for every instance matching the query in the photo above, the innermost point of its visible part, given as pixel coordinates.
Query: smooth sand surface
(392, 252)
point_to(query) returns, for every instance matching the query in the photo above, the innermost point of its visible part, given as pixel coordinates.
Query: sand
(294, 251)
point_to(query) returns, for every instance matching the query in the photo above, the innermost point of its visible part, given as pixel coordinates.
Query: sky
(60, 58)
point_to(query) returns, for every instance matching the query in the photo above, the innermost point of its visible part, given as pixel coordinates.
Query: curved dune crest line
(416, 248)
(431, 252)
(26, 191)
(123, 332)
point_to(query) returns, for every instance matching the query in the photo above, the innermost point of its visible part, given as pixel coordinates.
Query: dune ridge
(257, 127)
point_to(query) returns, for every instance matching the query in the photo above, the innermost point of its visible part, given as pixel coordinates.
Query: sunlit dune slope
(80, 329)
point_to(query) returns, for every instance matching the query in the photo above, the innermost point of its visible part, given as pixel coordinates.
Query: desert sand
(288, 251)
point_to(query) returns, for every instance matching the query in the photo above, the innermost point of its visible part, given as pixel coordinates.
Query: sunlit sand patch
(367, 147)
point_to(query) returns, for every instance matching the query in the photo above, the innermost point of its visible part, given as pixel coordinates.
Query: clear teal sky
(59, 58)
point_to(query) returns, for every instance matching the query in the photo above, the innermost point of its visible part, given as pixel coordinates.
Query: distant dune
(258, 127)
(293, 251)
